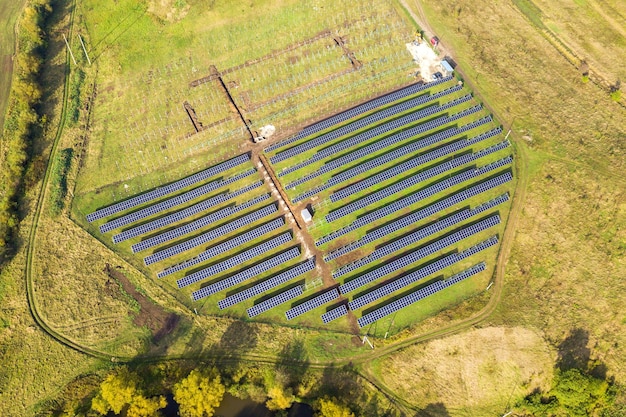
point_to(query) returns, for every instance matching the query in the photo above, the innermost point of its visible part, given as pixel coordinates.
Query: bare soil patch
(154, 317)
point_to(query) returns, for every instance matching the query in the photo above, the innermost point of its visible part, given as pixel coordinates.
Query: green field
(9, 12)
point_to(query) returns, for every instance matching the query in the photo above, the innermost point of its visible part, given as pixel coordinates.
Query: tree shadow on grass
(238, 339)
(433, 410)
(293, 362)
(573, 351)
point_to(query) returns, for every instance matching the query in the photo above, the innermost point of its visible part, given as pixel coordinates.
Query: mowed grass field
(9, 11)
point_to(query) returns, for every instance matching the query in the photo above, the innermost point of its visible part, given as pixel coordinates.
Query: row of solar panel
(234, 261)
(168, 189)
(182, 214)
(411, 164)
(246, 274)
(172, 202)
(416, 179)
(189, 228)
(358, 124)
(225, 246)
(419, 274)
(416, 255)
(355, 111)
(418, 295)
(334, 314)
(274, 301)
(434, 208)
(313, 303)
(268, 284)
(387, 127)
(388, 157)
(422, 233)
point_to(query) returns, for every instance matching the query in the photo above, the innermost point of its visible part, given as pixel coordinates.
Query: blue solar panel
(406, 260)
(356, 111)
(359, 124)
(368, 150)
(418, 295)
(268, 284)
(182, 214)
(167, 189)
(192, 227)
(246, 274)
(334, 314)
(234, 261)
(421, 273)
(321, 299)
(225, 246)
(416, 179)
(172, 202)
(281, 298)
(388, 127)
(405, 202)
(411, 219)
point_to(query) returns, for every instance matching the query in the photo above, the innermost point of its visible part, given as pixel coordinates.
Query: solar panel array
(246, 274)
(270, 303)
(411, 219)
(334, 314)
(432, 209)
(370, 120)
(416, 162)
(421, 273)
(225, 246)
(235, 260)
(387, 127)
(418, 295)
(182, 214)
(193, 226)
(172, 202)
(355, 111)
(313, 303)
(423, 193)
(268, 284)
(168, 189)
(406, 260)
(388, 157)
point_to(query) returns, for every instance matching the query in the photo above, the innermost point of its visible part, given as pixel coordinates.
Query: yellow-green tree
(279, 398)
(198, 395)
(331, 408)
(120, 393)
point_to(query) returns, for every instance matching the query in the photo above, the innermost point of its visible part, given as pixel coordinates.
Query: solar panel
(182, 214)
(196, 225)
(225, 246)
(368, 150)
(172, 202)
(384, 128)
(416, 179)
(410, 220)
(334, 314)
(405, 202)
(246, 274)
(411, 181)
(414, 256)
(167, 189)
(355, 111)
(418, 295)
(234, 261)
(281, 298)
(416, 162)
(321, 299)
(359, 124)
(415, 276)
(268, 284)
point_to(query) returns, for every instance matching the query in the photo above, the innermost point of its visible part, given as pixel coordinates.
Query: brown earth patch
(154, 317)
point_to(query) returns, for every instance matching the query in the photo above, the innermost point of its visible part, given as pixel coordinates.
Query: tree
(198, 395)
(330, 408)
(279, 398)
(120, 393)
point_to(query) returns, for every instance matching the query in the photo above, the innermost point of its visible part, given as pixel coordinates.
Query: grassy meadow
(9, 11)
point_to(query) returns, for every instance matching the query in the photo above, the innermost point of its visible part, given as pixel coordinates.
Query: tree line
(23, 119)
